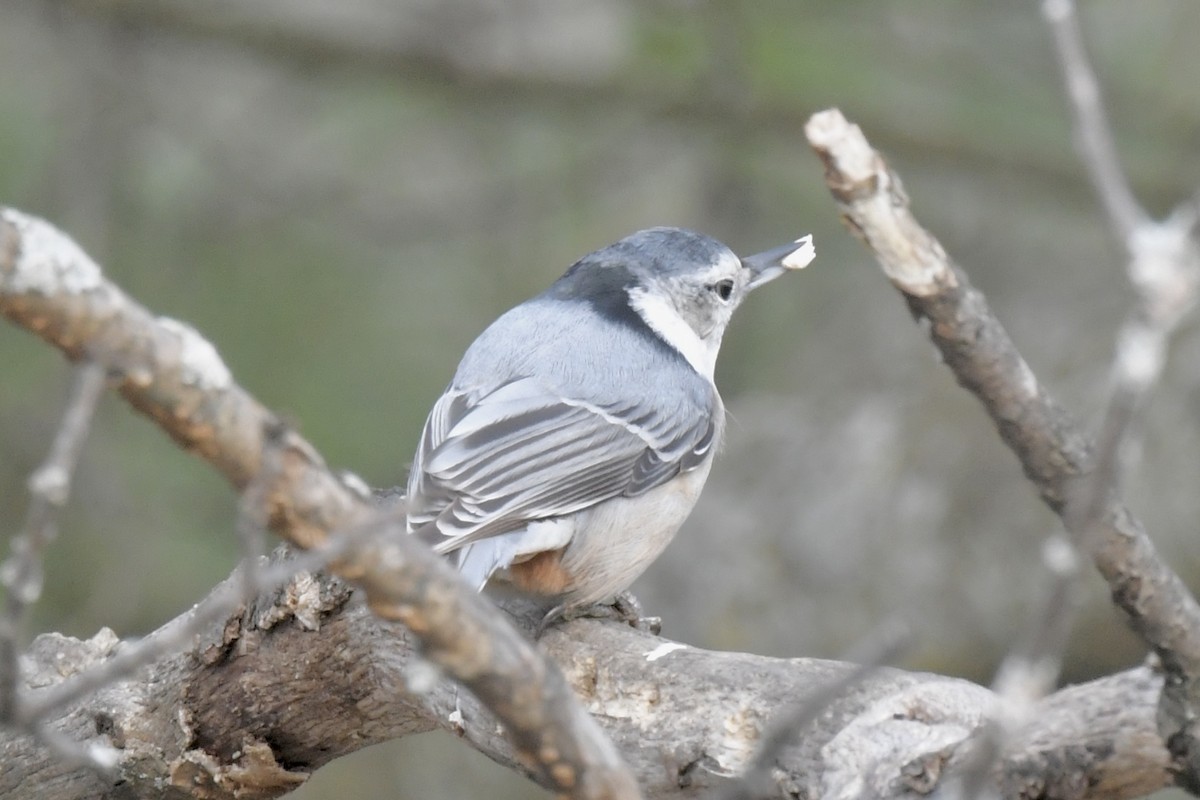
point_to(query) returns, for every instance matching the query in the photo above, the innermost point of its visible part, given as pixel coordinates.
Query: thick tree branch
(306, 675)
(167, 371)
(785, 727)
(1054, 452)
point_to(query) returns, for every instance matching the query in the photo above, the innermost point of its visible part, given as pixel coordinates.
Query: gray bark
(265, 697)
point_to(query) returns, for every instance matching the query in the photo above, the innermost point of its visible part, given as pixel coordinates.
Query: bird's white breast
(614, 542)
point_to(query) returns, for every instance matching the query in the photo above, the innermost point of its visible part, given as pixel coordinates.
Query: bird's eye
(722, 289)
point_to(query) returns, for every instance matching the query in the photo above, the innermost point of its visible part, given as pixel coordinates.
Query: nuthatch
(581, 425)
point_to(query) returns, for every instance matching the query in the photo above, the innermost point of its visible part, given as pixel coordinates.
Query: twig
(179, 632)
(1030, 672)
(1091, 126)
(252, 524)
(169, 372)
(1164, 268)
(49, 488)
(94, 756)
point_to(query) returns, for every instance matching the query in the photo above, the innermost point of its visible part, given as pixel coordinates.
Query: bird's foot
(624, 608)
(627, 608)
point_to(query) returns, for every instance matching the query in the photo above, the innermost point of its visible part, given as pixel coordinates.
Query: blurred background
(341, 195)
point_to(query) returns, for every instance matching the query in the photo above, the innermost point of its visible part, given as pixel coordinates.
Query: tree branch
(307, 674)
(167, 371)
(884, 646)
(22, 573)
(1054, 452)
(1091, 125)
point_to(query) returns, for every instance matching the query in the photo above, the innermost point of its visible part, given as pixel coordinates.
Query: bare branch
(167, 371)
(1051, 447)
(1164, 271)
(252, 521)
(311, 675)
(49, 487)
(1030, 672)
(1164, 268)
(1091, 124)
(98, 757)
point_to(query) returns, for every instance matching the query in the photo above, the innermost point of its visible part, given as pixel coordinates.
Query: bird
(580, 427)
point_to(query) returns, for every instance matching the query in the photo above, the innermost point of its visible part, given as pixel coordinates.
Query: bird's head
(682, 284)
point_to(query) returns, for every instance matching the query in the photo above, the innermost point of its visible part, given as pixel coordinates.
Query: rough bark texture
(309, 674)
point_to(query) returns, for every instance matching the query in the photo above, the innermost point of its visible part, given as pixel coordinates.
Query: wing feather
(491, 464)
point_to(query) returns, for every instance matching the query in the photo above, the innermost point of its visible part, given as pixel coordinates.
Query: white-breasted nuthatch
(581, 425)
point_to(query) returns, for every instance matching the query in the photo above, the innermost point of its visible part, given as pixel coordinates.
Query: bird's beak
(766, 267)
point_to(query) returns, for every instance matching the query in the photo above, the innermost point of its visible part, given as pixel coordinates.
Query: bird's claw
(624, 608)
(627, 608)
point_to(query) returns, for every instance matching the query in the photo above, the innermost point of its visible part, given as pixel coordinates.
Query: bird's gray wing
(491, 465)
